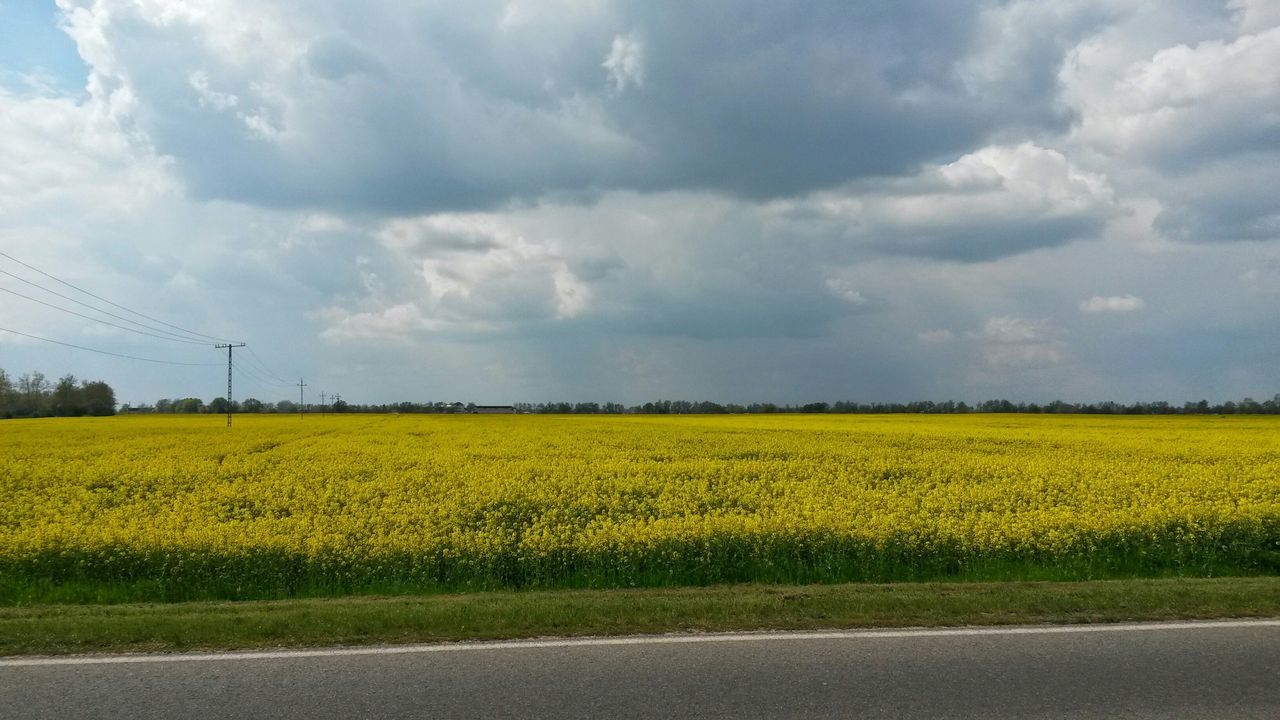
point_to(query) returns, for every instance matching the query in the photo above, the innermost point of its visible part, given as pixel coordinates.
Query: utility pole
(229, 347)
(322, 403)
(301, 385)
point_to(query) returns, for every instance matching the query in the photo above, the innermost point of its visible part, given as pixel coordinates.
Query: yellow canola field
(278, 506)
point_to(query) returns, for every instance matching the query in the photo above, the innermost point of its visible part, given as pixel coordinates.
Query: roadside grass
(114, 575)
(62, 628)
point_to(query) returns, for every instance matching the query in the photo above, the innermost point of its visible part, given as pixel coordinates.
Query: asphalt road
(1183, 670)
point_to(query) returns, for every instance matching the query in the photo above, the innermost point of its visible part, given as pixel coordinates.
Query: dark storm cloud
(993, 240)
(774, 99)
(449, 107)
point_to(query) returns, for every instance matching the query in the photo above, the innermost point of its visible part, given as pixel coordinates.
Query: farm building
(493, 409)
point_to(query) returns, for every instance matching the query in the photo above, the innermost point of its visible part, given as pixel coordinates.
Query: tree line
(948, 407)
(219, 405)
(1247, 406)
(33, 395)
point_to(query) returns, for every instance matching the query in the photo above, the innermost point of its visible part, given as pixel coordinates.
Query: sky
(745, 201)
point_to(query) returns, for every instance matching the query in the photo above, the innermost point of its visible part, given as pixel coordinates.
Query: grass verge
(58, 629)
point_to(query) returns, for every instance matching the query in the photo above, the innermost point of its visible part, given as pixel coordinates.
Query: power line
(254, 381)
(116, 305)
(106, 352)
(258, 378)
(250, 380)
(100, 310)
(98, 320)
(266, 369)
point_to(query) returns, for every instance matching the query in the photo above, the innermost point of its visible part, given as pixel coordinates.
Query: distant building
(493, 410)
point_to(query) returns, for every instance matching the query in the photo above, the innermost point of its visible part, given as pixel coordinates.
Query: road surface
(1226, 669)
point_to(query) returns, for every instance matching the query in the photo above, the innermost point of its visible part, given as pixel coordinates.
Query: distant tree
(67, 400)
(340, 406)
(188, 405)
(286, 406)
(98, 398)
(33, 395)
(164, 405)
(251, 405)
(997, 406)
(8, 396)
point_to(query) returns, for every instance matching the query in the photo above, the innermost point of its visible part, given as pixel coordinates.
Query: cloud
(843, 290)
(625, 62)
(1112, 304)
(525, 200)
(1191, 123)
(467, 273)
(1255, 15)
(433, 106)
(992, 202)
(1013, 343)
(56, 152)
(1184, 103)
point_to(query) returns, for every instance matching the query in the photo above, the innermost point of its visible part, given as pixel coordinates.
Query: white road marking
(670, 639)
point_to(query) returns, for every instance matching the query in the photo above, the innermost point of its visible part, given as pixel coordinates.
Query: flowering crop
(182, 507)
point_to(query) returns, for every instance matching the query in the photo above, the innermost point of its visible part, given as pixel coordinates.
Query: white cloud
(625, 62)
(199, 81)
(1183, 99)
(475, 272)
(56, 153)
(402, 323)
(843, 290)
(1112, 304)
(935, 337)
(1009, 329)
(995, 201)
(1014, 343)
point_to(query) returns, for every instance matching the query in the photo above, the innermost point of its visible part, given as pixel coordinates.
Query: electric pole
(229, 347)
(301, 385)
(322, 404)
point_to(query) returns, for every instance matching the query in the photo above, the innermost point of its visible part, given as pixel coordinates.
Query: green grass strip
(58, 629)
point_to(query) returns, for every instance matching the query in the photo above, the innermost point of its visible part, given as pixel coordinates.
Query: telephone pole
(301, 385)
(321, 404)
(229, 347)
